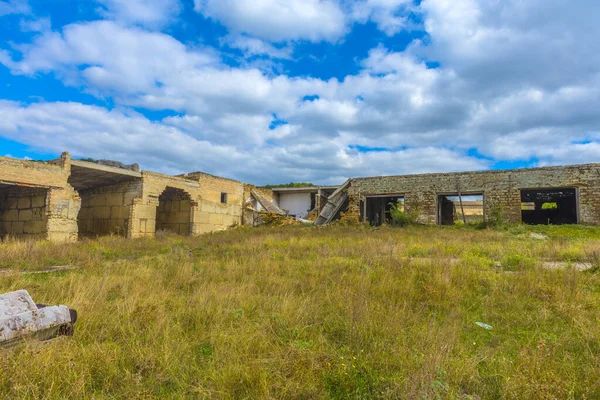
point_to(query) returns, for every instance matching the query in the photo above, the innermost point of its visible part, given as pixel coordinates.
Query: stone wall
(23, 212)
(106, 210)
(174, 212)
(144, 210)
(501, 190)
(213, 214)
(57, 219)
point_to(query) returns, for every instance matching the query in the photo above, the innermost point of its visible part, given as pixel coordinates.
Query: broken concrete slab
(334, 205)
(21, 318)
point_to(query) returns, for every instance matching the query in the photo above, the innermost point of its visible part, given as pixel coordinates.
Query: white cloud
(508, 85)
(14, 7)
(389, 15)
(36, 25)
(278, 20)
(129, 137)
(256, 47)
(148, 13)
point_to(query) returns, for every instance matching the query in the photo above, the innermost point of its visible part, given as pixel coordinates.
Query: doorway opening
(455, 209)
(174, 212)
(549, 206)
(378, 209)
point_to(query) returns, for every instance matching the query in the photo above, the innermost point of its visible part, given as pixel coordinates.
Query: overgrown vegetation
(315, 312)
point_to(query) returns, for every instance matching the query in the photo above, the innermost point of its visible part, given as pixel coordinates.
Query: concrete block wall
(212, 214)
(501, 189)
(106, 210)
(174, 212)
(144, 211)
(58, 218)
(23, 212)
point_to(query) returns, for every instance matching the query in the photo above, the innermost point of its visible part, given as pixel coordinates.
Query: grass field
(305, 312)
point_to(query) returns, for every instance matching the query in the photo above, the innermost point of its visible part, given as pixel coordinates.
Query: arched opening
(174, 212)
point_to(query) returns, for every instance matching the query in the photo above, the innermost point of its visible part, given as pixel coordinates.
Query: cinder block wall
(106, 210)
(23, 212)
(501, 189)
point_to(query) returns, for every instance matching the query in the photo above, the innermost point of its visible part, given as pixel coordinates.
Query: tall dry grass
(304, 312)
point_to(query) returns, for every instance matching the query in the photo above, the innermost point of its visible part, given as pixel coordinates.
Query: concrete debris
(21, 318)
(540, 236)
(110, 163)
(266, 204)
(335, 204)
(484, 325)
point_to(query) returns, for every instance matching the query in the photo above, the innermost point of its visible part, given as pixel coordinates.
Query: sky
(273, 91)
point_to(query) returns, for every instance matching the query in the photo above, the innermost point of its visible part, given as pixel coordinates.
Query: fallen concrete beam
(21, 318)
(334, 204)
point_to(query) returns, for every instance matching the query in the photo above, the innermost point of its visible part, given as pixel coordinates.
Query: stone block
(34, 227)
(24, 202)
(114, 199)
(25, 215)
(17, 228)
(38, 201)
(215, 219)
(11, 215)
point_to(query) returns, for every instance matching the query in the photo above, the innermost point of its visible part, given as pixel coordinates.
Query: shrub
(397, 215)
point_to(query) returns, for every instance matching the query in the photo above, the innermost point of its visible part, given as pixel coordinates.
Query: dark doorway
(378, 209)
(174, 212)
(549, 206)
(452, 207)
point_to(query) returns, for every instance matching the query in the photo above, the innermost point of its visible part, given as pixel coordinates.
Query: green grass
(305, 312)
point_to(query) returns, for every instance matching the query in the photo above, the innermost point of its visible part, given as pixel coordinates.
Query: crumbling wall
(23, 212)
(56, 220)
(501, 190)
(251, 210)
(107, 210)
(214, 215)
(144, 210)
(174, 212)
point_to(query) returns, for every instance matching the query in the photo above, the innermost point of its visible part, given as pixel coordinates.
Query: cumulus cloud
(390, 16)
(148, 13)
(35, 25)
(510, 85)
(130, 137)
(256, 47)
(14, 7)
(278, 20)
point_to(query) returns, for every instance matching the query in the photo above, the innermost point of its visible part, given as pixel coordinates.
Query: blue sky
(305, 90)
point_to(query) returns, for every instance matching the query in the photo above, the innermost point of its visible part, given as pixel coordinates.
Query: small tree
(397, 215)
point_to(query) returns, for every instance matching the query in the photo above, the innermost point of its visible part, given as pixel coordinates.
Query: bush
(397, 215)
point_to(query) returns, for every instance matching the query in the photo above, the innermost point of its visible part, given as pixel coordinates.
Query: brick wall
(501, 189)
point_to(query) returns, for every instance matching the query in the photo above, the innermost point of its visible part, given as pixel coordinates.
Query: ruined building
(66, 199)
(547, 195)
